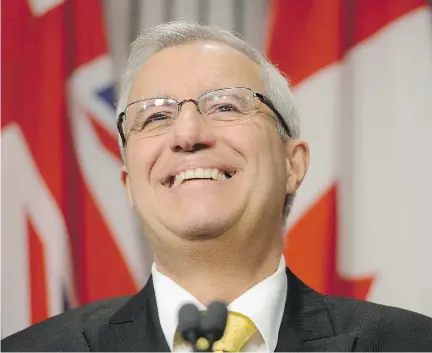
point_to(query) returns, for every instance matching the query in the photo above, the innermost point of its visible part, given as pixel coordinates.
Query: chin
(204, 227)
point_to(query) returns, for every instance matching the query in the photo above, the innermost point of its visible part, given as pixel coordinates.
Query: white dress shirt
(264, 304)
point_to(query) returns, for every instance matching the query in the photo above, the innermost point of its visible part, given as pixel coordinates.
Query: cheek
(141, 158)
(268, 148)
(256, 138)
(259, 144)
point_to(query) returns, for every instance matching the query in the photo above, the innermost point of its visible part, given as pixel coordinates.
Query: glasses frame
(261, 97)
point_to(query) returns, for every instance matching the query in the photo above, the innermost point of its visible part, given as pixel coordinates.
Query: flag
(68, 234)
(362, 77)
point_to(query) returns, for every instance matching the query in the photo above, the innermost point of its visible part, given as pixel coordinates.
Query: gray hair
(153, 40)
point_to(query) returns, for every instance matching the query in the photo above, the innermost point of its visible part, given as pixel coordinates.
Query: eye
(160, 116)
(226, 107)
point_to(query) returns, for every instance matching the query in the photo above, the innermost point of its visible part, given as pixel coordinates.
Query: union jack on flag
(68, 234)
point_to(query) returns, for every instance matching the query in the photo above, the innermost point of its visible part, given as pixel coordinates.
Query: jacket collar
(135, 327)
(306, 324)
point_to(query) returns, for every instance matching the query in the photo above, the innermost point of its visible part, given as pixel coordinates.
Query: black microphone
(214, 321)
(189, 324)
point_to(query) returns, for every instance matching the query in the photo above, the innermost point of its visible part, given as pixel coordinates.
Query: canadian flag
(68, 234)
(362, 75)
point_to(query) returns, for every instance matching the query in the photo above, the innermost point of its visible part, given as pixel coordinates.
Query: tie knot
(239, 329)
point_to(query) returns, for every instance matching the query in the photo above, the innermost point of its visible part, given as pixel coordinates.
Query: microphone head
(214, 321)
(189, 322)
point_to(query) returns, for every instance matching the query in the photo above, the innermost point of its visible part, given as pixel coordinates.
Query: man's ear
(124, 175)
(297, 163)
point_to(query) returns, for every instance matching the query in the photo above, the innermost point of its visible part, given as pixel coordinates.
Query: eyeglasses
(221, 107)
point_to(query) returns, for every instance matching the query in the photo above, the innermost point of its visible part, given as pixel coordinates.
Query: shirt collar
(267, 316)
(271, 295)
(170, 297)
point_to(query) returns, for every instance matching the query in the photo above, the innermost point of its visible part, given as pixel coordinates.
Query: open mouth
(197, 174)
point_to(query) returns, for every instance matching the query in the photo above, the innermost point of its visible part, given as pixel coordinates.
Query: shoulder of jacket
(64, 332)
(378, 325)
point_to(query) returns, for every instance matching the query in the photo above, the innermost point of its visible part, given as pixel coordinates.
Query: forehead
(188, 70)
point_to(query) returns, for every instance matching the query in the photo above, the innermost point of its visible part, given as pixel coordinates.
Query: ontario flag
(362, 75)
(68, 234)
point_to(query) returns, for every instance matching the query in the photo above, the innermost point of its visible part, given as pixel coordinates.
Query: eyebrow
(165, 95)
(159, 95)
(168, 96)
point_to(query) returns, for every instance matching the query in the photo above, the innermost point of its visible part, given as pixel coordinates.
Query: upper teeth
(199, 173)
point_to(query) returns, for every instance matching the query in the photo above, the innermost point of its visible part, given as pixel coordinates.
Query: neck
(218, 270)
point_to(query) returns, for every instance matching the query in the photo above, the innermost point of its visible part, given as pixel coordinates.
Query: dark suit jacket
(311, 322)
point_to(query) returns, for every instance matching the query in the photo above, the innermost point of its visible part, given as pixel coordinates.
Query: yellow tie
(239, 329)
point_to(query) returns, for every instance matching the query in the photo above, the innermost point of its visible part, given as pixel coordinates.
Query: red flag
(68, 236)
(337, 53)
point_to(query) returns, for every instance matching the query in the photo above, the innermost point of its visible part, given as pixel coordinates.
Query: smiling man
(212, 160)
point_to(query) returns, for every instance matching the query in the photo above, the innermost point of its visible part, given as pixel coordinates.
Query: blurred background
(361, 70)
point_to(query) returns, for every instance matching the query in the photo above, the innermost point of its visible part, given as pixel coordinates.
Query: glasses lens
(227, 105)
(151, 116)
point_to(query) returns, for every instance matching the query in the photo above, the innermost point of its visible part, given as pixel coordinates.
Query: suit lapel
(306, 325)
(136, 326)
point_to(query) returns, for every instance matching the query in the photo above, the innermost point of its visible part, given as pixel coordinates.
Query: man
(212, 160)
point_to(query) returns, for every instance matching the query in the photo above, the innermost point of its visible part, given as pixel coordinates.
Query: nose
(190, 132)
